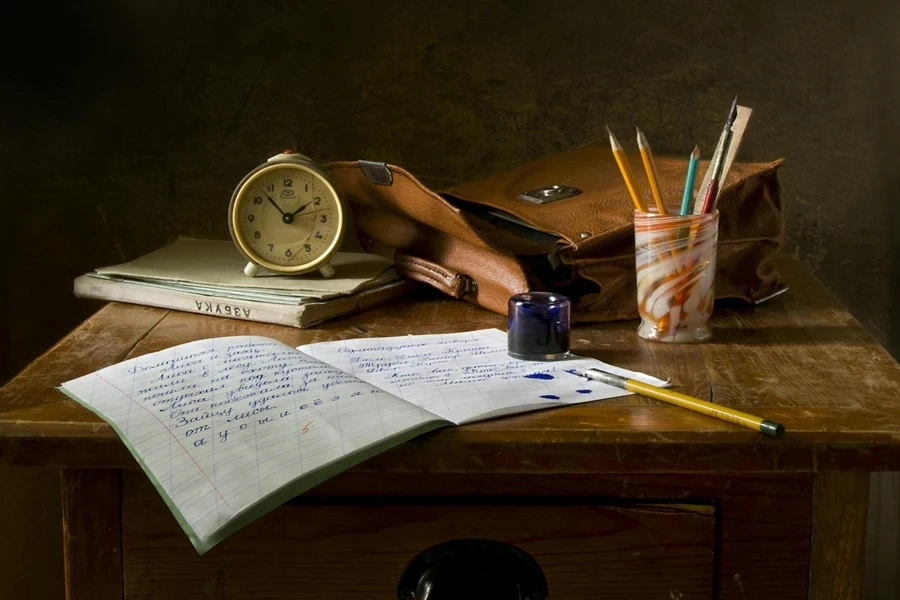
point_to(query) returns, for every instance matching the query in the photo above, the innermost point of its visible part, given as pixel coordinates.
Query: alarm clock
(285, 216)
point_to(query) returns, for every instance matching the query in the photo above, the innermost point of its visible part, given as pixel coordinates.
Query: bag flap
(604, 205)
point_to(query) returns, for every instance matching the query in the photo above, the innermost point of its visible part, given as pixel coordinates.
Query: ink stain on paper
(583, 391)
(550, 397)
(544, 376)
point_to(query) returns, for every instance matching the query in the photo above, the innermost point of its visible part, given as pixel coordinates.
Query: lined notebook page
(219, 424)
(229, 428)
(467, 377)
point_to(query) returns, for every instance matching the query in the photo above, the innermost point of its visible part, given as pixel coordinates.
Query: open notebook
(229, 428)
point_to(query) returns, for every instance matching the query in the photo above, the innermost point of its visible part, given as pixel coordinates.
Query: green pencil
(689, 182)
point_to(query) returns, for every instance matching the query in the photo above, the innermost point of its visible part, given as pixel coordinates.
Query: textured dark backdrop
(126, 123)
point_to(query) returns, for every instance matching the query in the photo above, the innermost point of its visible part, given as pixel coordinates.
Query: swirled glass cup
(675, 261)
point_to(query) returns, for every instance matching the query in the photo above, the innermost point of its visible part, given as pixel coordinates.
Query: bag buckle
(551, 193)
(470, 286)
(377, 173)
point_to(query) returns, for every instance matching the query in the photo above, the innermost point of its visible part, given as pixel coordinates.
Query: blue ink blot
(544, 376)
(583, 391)
(550, 397)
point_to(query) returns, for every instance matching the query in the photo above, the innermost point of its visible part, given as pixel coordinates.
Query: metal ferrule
(607, 378)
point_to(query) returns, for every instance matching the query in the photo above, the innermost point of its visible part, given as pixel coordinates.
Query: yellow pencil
(650, 168)
(627, 174)
(769, 428)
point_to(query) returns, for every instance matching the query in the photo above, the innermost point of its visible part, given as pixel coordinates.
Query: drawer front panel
(357, 551)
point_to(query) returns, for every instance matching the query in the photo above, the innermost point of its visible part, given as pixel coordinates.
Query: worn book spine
(292, 315)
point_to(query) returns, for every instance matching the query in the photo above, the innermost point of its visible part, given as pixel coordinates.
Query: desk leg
(837, 558)
(92, 534)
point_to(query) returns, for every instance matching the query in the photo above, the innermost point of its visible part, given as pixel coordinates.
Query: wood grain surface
(799, 359)
(763, 535)
(92, 534)
(840, 503)
(624, 455)
(357, 550)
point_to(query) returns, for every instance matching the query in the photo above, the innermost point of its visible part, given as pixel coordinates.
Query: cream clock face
(286, 217)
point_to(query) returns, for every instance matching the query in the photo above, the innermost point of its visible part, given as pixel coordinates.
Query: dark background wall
(127, 123)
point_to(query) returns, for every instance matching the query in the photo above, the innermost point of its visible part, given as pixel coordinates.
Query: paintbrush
(717, 164)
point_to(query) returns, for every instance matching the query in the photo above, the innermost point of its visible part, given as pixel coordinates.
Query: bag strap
(449, 282)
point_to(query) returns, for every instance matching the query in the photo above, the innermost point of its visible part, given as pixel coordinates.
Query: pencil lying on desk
(769, 428)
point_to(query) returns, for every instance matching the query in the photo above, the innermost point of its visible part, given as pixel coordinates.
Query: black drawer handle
(472, 570)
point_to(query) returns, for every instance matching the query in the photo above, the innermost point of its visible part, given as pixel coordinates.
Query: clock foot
(251, 270)
(326, 270)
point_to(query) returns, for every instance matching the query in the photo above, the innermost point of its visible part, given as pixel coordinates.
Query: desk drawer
(358, 551)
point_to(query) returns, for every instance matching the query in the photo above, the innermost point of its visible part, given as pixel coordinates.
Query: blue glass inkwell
(538, 326)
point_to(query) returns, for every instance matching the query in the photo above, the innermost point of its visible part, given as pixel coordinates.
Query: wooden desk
(625, 498)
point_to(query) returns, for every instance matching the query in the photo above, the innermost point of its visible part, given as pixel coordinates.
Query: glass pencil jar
(675, 263)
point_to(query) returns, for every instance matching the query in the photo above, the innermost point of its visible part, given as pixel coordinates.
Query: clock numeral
(257, 200)
(324, 218)
(308, 248)
(256, 235)
(271, 187)
(288, 183)
(317, 201)
(271, 247)
(250, 218)
(306, 188)
(319, 235)
(288, 252)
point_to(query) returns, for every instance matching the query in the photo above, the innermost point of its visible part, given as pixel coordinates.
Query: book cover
(206, 277)
(217, 265)
(299, 313)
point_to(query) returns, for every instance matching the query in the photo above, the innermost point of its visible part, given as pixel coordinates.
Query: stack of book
(206, 277)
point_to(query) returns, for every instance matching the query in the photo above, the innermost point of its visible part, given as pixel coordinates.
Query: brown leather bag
(481, 241)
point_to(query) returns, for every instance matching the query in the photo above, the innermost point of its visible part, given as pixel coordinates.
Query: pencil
(689, 182)
(625, 169)
(769, 428)
(650, 168)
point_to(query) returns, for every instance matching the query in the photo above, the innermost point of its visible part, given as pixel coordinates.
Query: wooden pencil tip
(641, 138)
(696, 152)
(612, 140)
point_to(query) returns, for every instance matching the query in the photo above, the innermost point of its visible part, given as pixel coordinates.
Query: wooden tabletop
(799, 359)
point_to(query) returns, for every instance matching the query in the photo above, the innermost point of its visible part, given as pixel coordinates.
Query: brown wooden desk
(625, 498)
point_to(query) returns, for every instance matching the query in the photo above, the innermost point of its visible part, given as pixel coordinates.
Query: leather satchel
(562, 223)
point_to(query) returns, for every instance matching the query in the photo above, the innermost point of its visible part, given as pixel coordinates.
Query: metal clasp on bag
(551, 193)
(376, 172)
(469, 285)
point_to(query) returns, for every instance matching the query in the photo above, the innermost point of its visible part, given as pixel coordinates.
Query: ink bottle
(538, 326)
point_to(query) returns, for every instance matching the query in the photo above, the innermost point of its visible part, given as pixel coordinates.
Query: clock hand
(294, 214)
(269, 198)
